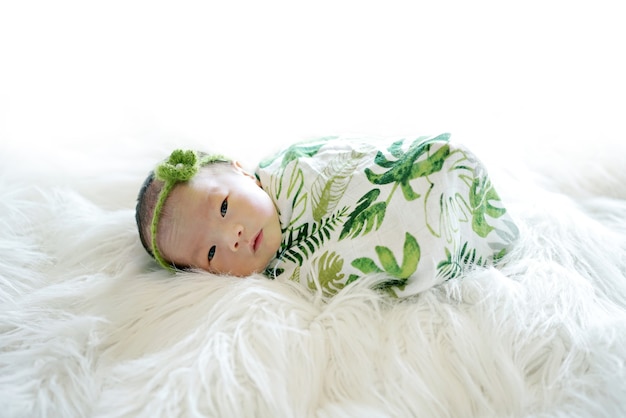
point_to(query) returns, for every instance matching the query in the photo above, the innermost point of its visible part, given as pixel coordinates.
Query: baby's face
(221, 221)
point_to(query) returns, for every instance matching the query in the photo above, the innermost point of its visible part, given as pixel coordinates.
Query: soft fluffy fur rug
(90, 327)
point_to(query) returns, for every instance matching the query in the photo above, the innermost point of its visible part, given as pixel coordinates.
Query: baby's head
(200, 211)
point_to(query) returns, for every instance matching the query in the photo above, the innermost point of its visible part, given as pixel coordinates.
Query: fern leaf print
(329, 187)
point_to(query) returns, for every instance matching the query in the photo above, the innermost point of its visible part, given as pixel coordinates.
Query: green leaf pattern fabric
(419, 210)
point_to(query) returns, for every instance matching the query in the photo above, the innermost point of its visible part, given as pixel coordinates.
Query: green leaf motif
(288, 155)
(332, 183)
(457, 263)
(329, 267)
(365, 216)
(406, 167)
(481, 195)
(389, 264)
(295, 276)
(294, 152)
(301, 242)
(296, 182)
(299, 200)
(273, 272)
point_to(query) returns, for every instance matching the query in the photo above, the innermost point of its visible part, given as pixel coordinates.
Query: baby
(327, 212)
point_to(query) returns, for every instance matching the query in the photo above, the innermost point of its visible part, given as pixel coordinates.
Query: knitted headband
(180, 167)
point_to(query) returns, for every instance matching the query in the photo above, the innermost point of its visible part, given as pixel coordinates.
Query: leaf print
(299, 209)
(299, 243)
(452, 210)
(274, 273)
(411, 256)
(365, 215)
(288, 155)
(329, 275)
(464, 195)
(499, 255)
(352, 278)
(366, 265)
(407, 167)
(394, 149)
(274, 186)
(298, 201)
(295, 276)
(370, 218)
(332, 182)
(457, 263)
(296, 181)
(294, 152)
(507, 236)
(481, 196)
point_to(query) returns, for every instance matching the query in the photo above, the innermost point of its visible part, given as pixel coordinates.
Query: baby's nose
(237, 237)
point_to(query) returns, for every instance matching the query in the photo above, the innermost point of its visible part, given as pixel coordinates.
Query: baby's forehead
(208, 175)
(214, 169)
(204, 183)
(189, 200)
(183, 204)
(208, 181)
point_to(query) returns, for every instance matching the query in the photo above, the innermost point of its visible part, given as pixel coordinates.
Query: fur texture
(89, 326)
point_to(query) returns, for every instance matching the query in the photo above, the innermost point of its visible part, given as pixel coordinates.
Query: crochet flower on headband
(181, 166)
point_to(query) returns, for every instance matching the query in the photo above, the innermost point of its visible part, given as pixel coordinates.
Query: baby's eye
(211, 253)
(224, 207)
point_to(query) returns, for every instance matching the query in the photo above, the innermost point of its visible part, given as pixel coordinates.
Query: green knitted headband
(180, 167)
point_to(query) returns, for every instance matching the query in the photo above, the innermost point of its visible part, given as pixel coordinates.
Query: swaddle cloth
(420, 210)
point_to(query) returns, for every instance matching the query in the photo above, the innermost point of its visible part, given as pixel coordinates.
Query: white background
(85, 72)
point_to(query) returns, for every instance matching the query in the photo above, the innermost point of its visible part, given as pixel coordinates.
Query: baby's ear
(239, 168)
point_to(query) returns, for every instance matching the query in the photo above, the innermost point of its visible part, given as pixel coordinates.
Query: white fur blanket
(89, 326)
